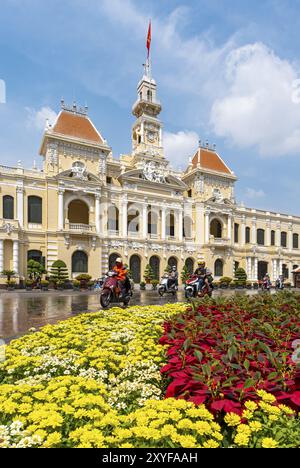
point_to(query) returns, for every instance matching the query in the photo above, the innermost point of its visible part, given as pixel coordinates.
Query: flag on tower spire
(149, 37)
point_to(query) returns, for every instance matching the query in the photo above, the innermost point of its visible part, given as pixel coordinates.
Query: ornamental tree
(240, 277)
(149, 274)
(59, 271)
(34, 269)
(185, 274)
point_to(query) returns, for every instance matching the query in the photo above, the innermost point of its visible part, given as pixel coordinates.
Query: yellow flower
(232, 419)
(52, 440)
(255, 426)
(251, 405)
(210, 444)
(273, 417)
(247, 414)
(241, 440)
(244, 429)
(268, 442)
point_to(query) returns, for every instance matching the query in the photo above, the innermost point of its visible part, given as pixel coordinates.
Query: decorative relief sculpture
(153, 172)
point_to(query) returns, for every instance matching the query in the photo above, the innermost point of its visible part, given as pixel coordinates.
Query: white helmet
(119, 260)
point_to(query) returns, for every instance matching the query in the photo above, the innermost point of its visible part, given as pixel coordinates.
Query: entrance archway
(189, 263)
(135, 268)
(112, 260)
(262, 270)
(173, 262)
(155, 265)
(79, 262)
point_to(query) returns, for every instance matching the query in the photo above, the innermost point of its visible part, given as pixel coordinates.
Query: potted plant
(148, 274)
(28, 284)
(240, 278)
(154, 283)
(142, 285)
(255, 285)
(225, 282)
(59, 274)
(11, 285)
(60, 285)
(76, 285)
(84, 279)
(185, 274)
(44, 285)
(90, 285)
(248, 284)
(9, 274)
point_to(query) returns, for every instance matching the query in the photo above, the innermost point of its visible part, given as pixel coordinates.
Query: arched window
(247, 235)
(79, 262)
(218, 268)
(36, 255)
(152, 223)
(262, 269)
(155, 265)
(8, 207)
(189, 263)
(149, 95)
(216, 229)
(35, 210)
(170, 225)
(133, 219)
(113, 218)
(260, 237)
(112, 260)
(78, 212)
(272, 237)
(283, 239)
(295, 241)
(285, 271)
(135, 268)
(236, 232)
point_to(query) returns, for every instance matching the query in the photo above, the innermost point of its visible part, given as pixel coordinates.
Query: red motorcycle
(192, 288)
(111, 293)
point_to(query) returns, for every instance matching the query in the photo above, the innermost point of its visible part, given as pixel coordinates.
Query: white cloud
(261, 108)
(37, 118)
(254, 194)
(180, 146)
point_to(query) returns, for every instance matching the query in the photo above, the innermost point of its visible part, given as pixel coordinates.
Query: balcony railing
(113, 233)
(80, 227)
(221, 241)
(134, 234)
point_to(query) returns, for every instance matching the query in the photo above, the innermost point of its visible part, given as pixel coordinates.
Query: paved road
(20, 311)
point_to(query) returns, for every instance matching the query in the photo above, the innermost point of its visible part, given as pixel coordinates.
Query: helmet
(119, 260)
(174, 268)
(201, 263)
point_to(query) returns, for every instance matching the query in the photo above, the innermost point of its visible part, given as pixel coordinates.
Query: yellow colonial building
(86, 208)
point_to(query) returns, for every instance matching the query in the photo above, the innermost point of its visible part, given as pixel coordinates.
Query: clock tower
(147, 129)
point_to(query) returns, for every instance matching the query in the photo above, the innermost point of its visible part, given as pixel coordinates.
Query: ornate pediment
(78, 172)
(152, 174)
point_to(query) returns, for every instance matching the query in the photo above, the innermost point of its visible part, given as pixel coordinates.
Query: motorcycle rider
(173, 277)
(122, 278)
(203, 273)
(267, 281)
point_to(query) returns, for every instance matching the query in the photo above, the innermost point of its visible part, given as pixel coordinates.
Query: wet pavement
(20, 311)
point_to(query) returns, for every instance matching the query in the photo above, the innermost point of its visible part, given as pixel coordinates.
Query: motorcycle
(266, 285)
(192, 288)
(163, 287)
(111, 293)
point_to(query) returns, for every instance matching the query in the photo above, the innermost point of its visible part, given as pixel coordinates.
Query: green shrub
(59, 271)
(84, 277)
(148, 274)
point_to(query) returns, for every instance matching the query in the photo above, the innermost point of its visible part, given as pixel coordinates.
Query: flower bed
(95, 381)
(221, 353)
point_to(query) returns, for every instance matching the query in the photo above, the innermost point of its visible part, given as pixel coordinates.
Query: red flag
(149, 37)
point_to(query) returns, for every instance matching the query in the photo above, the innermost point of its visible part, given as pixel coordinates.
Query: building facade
(86, 208)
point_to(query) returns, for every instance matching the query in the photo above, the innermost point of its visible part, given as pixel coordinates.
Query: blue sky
(226, 71)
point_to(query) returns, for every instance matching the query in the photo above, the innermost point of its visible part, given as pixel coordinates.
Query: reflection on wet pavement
(20, 311)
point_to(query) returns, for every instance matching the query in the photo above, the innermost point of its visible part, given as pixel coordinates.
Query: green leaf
(232, 352)
(198, 355)
(249, 383)
(247, 364)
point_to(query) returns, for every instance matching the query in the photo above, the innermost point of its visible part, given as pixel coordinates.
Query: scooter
(111, 293)
(163, 286)
(279, 285)
(192, 288)
(266, 285)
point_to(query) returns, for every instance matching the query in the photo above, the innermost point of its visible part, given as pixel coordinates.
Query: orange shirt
(122, 272)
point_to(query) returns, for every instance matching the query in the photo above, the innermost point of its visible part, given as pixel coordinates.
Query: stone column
(163, 223)
(256, 269)
(268, 233)
(290, 237)
(243, 233)
(16, 256)
(142, 132)
(274, 269)
(124, 217)
(20, 206)
(280, 267)
(199, 224)
(145, 221)
(180, 225)
(229, 228)
(97, 213)
(61, 209)
(207, 215)
(1, 255)
(278, 235)
(253, 231)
